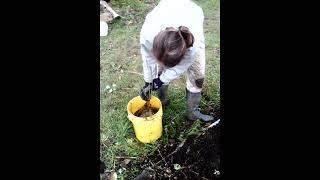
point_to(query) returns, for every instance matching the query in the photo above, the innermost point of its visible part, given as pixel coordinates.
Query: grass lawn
(121, 79)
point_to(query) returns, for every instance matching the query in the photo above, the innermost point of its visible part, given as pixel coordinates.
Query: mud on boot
(193, 113)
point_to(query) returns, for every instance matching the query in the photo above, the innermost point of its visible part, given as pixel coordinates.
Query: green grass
(121, 65)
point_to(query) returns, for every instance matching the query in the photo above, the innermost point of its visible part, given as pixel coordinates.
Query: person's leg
(195, 79)
(163, 90)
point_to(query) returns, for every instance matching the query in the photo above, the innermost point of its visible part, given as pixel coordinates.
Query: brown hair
(170, 45)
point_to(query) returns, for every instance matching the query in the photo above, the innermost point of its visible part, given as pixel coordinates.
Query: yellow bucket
(147, 129)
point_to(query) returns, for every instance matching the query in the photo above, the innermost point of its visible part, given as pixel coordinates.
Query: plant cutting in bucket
(146, 110)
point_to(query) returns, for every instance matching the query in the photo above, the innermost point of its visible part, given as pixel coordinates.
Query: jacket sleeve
(149, 62)
(174, 72)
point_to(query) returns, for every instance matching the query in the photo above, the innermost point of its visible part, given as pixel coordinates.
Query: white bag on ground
(103, 28)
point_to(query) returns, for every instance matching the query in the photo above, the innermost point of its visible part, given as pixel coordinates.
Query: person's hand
(157, 83)
(146, 91)
(148, 87)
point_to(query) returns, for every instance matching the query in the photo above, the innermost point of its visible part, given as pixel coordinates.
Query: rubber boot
(193, 113)
(163, 94)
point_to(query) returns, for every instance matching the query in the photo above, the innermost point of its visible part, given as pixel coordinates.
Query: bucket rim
(144, 118)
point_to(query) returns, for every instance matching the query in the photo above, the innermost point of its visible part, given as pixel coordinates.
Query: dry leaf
(126, 161)
(113, 176)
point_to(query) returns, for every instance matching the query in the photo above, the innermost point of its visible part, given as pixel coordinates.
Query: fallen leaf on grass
(113, 176)
(177, 166)
(126, 161)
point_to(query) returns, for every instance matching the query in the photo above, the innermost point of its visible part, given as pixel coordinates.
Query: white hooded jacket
(171, 13)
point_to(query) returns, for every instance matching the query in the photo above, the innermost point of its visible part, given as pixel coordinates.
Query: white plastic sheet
(103, 28)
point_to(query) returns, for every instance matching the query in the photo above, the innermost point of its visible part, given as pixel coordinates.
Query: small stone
(168, 171)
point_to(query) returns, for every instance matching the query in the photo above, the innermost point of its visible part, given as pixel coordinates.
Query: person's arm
(149, 69)
(174, 72)
(149, 62)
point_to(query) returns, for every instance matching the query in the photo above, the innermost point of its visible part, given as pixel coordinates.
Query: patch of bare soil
(197, 157)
